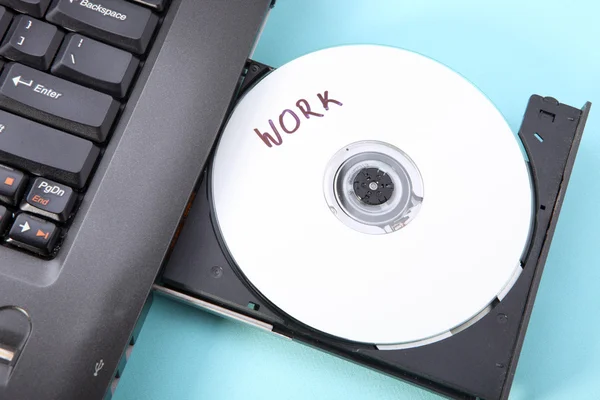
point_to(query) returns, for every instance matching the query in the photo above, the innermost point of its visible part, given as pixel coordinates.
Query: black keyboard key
(36, 8)
(57, 102)
(4, 219)
(158, 5)
(31, 41)
(33, 234)
(46, 151)
(116, 22)
(12, 183)
(49, 199)
(5, 18)
(95, 64)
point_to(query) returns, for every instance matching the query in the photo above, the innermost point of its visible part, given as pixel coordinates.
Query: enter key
(57, 102)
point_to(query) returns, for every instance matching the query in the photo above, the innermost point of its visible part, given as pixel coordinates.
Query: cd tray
(477, 362)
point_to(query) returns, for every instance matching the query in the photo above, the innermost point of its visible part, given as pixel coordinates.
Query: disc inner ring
(357, 209)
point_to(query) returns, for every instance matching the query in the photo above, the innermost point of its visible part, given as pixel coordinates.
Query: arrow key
(33, 234)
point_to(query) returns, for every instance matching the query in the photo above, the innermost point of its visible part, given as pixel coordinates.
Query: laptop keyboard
(67, 68)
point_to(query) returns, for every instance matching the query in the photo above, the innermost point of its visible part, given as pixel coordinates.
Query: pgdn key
(57, 102)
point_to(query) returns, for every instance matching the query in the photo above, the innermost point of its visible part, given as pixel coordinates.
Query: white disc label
(373, 194)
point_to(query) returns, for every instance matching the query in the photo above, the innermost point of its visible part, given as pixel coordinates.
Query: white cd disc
(372, 194)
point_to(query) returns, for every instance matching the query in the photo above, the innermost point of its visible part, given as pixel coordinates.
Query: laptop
(108, 112)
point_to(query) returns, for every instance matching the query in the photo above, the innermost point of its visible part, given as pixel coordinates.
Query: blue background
(510, 50)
